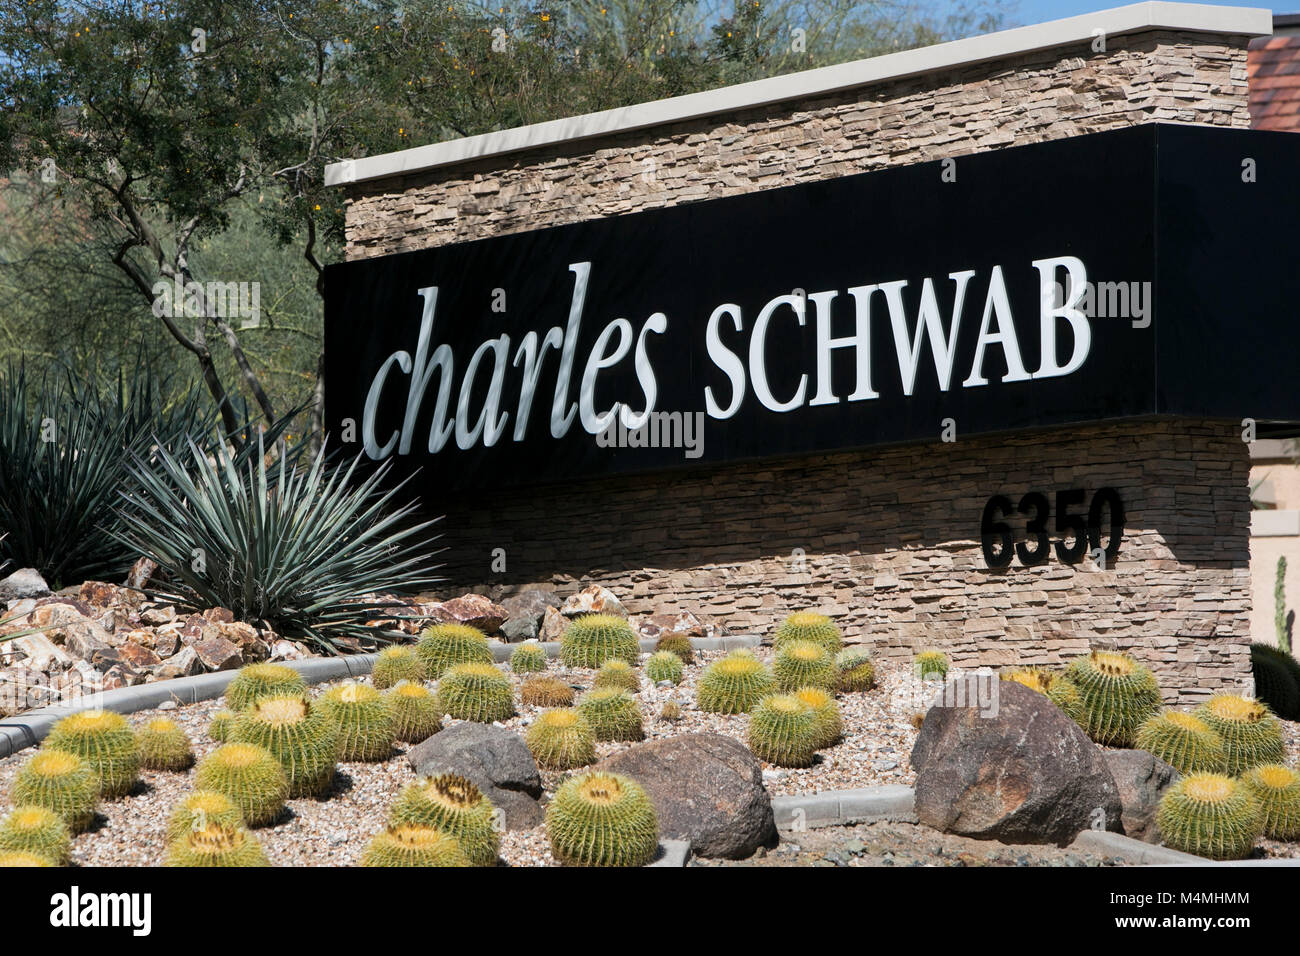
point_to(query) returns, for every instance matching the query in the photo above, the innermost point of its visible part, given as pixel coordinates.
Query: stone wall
(886, 541)
(1049, 94)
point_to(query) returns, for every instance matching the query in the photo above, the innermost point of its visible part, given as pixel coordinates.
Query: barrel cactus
(930, 665)
(1277, 788)
(782, 731)
(804, 664)
(734, 684)
(828, 726)
(256, 681)
(612, 713)
(303, 738)
(678, 645)
(602, 819)
(617, 673)
(593, 639)
(397, 663)
(250, 776)
(454, 805)
(561, 739)
(416, 714)
(414, 846)
(665, 665)
(480, 692)
(807, 626)
(1211, 815)
(855, 670)
(61, 782)
(222, 722)
(164, 746)
(1055, 687)
(31, 829)
(1277, 679)
(528, 658)
(105, 741)
(546, 692)
(15, 858)
(671, 710)
(444, 646)
(216, 846)
(364, 721)
(1117, 694)
(199, 809)
(1183, 741)
(1250, 733)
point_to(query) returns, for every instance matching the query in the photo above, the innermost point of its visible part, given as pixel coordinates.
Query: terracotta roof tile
(1273, 73)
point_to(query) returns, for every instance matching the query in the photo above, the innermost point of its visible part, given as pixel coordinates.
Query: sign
(1137, 273)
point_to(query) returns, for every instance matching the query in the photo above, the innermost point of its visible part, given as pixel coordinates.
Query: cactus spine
(444, 646)
(546, 692)
(664, 665)
(807, 626)
(222, 722)
(619, 674)
(561, 740)
(1250, 733)
(1183, 741)
(602, 819)
(216, 846)
(781, 731)
(856, 671)
(678, 645)
(199, 809)
(1277, 788)
(364, 721)
(256, 681)
(1211, 815)
(37, 830)
(18, 858)
(455, 806)
(250, 776)
(528, 658)
(61, 782)
(416, 714)
(303, 739)
(931, 665)
(828, 726)
(414, 846)
(396, 664)
(164, 746)
(612, 713)
(804, 664)
(1277, 680)
(105, 740)
(593, 639)
(671, 710)
(734, 684)
(479, 692)
(1117, 694)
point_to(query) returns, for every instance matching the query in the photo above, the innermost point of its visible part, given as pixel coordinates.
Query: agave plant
(294, 547)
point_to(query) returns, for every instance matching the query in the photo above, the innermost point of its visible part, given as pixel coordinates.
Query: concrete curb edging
(1134, 851)
(835, 808)
(672, 853)
(501, 651)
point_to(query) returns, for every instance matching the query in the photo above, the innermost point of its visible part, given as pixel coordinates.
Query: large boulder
(495, 759)
(472, 609)
(996, 760)
(707, 789)
(593, 599)
(526, 610)
(23, 583)
(651, 627)
(1142, 780)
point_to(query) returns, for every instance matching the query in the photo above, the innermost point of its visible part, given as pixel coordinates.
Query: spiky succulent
(480, 692)
(416, 714)
(617, 673)
(804, 664)
(546, 692)
(734, 684)
(255, 681)
(808, 626)
(1116, 695)
(62, 782)
(1277, 788)
(250, 776)
(414, 846)
(1211, 815)
(930, 665)
(602, 819)
(856, 670)
(397, 663)
(612, 713)
(18, 858)
(593, 639)
(455, 806)
(828, 726)
(671, 710)
(664, 665)
(678, 645)
(216, 845)
(782, 731)
(1250, 733)
(32, 829)
(444, 646)
(303, 738)
(1055, 687)
(199, 809)
(561, 739)
(1277, 679)
(222, 722)
(164, 745)
(528, 658)
(364, 721)
(106, 741)
(1183, 741)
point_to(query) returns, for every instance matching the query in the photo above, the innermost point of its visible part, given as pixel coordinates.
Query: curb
(1132, 851)
(501, 651)
(672, 853)
(835, 808)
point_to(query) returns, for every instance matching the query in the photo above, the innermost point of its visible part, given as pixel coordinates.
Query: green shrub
(364, 721)
(678, 645)
(546, 692)
(414, 846)
(62, 782)
(250, 776)
(593, 639)
(807, 626)
(1183, 741)
(1211, 815)
(455, 806)
(664, 665)
(612, 713)
(105, 741)
(394, 664)
(1277, 788)
(782, 732)
(1250, 733)
(303, 738)
(734, 684)
(479, 692)
(444, 646)
(216, 846)
(31, 829)
(602, 819)
(856, 671)
(164, 746)
(416, 714)
(529, 657)
(619, 674)
(1117, 694)
(255, 681)
(804, 664)
(561, 740)
(199, 809)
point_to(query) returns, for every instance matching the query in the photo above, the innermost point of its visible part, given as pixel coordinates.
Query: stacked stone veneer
(1067, 91)
(885, 540)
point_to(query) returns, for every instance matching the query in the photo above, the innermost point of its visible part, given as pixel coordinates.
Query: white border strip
(1190, 17)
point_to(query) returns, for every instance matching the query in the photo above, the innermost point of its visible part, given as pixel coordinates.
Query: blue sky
(1036, 11)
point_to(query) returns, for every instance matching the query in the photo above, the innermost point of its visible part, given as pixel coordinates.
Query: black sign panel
(1128, 274)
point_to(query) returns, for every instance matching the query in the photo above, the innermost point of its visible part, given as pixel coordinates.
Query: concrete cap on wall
(1134, 18)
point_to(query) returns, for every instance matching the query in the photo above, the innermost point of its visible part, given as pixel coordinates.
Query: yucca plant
(292, 548)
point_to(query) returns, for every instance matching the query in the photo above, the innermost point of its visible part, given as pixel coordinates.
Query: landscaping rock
(217, 653)
(23, 583)
(495, 759)
(1142, 780)
(184, 663)
(472, 609)
(553, 625)
(526, 610)
(593, 599)
(707, 789)
(654, 626)
(141, 573)
(1006, 764)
